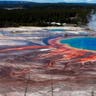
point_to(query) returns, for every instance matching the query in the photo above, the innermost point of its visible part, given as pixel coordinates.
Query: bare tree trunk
(27, 85)
(92, 93)
(52, 85)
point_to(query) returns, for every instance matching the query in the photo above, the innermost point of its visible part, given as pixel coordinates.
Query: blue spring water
(56, 30)
(88, 43)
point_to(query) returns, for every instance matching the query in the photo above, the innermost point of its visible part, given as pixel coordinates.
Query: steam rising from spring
(92, 21)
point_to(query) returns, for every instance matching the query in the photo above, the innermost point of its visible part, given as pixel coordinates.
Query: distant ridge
(28, 4)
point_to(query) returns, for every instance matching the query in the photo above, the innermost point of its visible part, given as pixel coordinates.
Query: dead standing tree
(92, 93)
(51, 66)
(27, 84)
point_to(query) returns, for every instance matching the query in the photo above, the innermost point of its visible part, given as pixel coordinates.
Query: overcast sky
(85, 1)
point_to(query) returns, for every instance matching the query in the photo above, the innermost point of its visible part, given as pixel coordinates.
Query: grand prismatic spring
(39, 62)
(87, 43)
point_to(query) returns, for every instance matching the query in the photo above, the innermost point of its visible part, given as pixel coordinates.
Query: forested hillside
(43, 14)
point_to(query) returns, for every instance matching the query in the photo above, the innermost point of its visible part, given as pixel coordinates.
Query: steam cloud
(92, 21)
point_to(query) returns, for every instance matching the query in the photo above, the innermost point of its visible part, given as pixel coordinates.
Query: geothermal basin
(34, 62)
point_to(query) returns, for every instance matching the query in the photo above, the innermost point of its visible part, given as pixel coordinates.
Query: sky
(52, 1)
(77, 1)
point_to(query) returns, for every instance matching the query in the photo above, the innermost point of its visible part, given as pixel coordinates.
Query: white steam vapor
(92, 21)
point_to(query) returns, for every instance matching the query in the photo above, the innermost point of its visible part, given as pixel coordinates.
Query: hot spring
(86, 43)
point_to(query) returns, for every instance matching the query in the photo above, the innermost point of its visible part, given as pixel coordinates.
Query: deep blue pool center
(88, 43)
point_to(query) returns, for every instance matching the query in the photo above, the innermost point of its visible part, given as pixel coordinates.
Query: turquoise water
(88, 43)
(56, 30)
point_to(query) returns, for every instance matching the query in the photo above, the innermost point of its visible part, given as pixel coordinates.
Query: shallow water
(56, 30)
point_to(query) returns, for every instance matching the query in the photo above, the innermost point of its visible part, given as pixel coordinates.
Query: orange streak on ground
(90, 58)
(23, 48)
(20, 73)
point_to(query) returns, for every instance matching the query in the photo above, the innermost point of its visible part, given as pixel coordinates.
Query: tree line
(41, 15)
